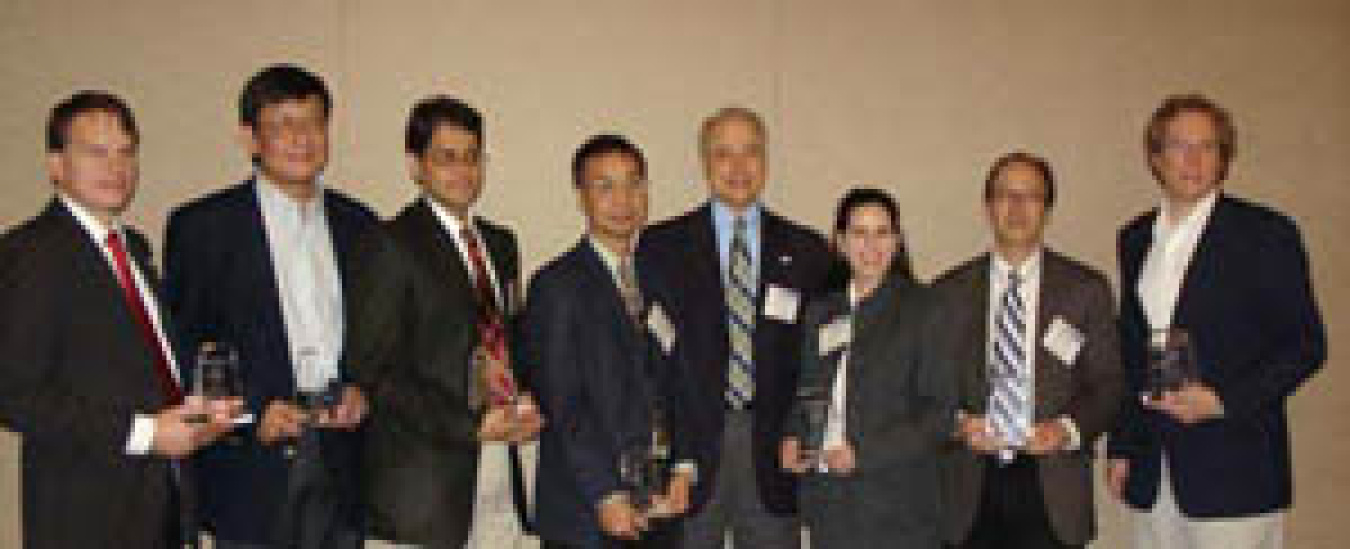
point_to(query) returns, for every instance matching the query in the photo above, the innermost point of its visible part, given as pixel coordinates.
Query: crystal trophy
(1171, 362)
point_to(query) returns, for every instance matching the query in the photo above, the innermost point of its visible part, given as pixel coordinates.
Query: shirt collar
(91, 224)
(1028, 270)
(271, 193)
(450, 221)
(611, 260)
(1193, 221)
(724, 215)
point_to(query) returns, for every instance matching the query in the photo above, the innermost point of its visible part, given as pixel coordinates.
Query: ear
(248, 140)
(56, 166)
(413, 166)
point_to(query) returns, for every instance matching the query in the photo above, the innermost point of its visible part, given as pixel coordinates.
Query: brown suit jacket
(1088, 390)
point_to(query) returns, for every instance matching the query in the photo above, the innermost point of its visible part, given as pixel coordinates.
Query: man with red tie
(88, 373)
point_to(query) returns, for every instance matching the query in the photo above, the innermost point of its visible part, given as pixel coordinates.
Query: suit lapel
(256, 260)
(1201, 266)
(976, 346)
(1050, 305)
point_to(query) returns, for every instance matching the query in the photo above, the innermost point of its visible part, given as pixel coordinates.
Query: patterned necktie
(740, 296)
(141, 313)
(491, 327)
(1010, 401)
(628, 288)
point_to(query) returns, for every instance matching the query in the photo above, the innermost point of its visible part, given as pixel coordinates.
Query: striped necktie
(1010, 400)
(740, 296)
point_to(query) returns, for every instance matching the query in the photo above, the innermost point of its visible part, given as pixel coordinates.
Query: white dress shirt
(1164, 270)
(142, 435)
(310, 287)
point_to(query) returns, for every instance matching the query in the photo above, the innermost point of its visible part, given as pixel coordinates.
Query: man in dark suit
(88, 373)
(262, 265)
(1208, 464)
(434, 292)
(744, 274)
(1035, 346)
(597, 334)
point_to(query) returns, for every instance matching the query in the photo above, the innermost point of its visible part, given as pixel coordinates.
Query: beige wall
(915, 96)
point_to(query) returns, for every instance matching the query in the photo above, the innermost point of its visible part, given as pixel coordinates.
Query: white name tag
(1063, 340)
(661, 327)
(835, 335)
(781, 303)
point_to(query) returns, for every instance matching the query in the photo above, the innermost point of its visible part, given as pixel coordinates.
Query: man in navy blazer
(598, 336)
(262, 265)
(1208, 465)
(741, 336)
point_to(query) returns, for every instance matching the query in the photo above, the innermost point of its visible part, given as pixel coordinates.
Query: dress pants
(735, 504)
(1012, 512)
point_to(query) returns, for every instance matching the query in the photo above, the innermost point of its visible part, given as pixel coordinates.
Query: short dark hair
(65, 112)
(1033, 161)
(1176, 105)
(603, 144)
(279, 84)
(854, 200)
(433, 112)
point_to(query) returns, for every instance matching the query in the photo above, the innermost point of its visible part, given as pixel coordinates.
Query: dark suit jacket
(1088, 390)
(74, 368)
(411, 332)
(596, 373)
(1247, 302)
(221, 284)
(899, 404)
(791, 256)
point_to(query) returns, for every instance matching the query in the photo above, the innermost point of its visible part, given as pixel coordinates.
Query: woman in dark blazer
(870, 353)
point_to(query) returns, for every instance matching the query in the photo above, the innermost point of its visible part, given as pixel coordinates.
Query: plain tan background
(917, 96)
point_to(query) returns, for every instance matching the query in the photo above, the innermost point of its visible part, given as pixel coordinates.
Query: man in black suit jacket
(420, 314)
(88, 373)
(1036, 349)
(1208, 465)
(742, 360)
(597, 335)
(262, 265)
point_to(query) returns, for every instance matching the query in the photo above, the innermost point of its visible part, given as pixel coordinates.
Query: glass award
(644, 467)
(217, 375)
(813, 399)
(1171, 362)
(315, 390)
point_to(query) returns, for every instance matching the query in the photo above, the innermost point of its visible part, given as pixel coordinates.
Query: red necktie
(138, 310)
(490, 325)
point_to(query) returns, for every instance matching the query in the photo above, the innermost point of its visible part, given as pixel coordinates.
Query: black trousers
(1012, 510)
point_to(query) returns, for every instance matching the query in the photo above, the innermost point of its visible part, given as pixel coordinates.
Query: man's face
(450, 169)
(290, 140)
(98, 168)
(1017, 207)
(613, 195)
(1189, 164)
(734, 162)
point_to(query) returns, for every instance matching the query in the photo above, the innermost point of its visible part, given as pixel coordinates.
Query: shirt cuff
(613, 497)
(142, 437)
(687, 468)
(1075, 438)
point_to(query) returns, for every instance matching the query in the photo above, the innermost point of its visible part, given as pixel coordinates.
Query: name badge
(661, 327)
(1063, 340)
(781, 303)
(835, 335)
